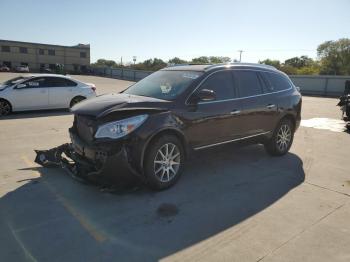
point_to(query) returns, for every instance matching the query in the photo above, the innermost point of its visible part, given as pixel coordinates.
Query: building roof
(87, 46)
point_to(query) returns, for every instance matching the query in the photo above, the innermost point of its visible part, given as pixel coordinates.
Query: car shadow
(37, 113)
(56, 218)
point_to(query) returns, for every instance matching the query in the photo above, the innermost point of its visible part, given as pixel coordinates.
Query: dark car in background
(151, 127)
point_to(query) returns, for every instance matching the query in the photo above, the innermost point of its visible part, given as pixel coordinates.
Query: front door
(31, 95)
(215, 121)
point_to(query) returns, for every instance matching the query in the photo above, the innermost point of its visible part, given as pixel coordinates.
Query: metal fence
(323, 85)
(122, 73)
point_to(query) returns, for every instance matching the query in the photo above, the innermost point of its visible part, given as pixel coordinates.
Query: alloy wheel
(5, 108)
(167, 162)
(284, 137)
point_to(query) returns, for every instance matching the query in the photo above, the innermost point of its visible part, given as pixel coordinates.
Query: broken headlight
(120, 128)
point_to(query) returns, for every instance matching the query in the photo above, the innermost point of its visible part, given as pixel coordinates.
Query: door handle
(235, 112)
(271, 106)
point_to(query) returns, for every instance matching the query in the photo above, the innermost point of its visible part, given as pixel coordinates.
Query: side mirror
(206, 95)
(298, 88)
(19, 86)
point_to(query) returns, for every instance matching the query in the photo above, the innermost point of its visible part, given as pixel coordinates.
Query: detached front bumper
(103, 165)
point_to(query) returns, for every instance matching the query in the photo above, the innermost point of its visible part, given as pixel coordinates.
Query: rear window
(277, 82)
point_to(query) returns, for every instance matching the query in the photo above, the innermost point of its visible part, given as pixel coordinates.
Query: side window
(70, 82)
(249, 83)
(221, 83)
(265, 83)
(56, 82)
(59, 82)
(35, 82)
(277, 82)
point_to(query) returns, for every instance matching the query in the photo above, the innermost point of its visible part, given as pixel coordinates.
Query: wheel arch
(76, 96)
(290, 117)
(165, 131)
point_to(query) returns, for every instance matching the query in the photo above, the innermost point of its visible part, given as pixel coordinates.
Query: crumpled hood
(102, 105)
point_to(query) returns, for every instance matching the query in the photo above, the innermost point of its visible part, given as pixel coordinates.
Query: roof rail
(187, 64)
(255, 64)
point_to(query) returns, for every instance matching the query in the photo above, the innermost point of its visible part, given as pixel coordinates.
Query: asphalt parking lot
(232, 203)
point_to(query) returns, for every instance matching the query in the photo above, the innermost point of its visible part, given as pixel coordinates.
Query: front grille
(84, 127)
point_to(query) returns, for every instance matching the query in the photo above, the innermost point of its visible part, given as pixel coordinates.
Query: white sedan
(35, 92)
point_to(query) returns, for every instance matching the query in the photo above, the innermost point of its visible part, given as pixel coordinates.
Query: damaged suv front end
(107, 142)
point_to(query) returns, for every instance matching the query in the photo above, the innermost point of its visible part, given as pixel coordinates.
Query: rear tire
(282, 138)
(164, 162)
(5, 107)
(76, 100)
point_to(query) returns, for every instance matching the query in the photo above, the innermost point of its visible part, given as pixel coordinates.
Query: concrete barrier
(322, 85)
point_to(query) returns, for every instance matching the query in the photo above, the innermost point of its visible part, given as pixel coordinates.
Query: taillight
(93, 88)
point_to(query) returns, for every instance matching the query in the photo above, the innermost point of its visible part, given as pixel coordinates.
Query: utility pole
(121, 61)
(240, 55)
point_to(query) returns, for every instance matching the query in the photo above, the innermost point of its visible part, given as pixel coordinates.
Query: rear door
(61, 92)
(259, 109)
(215, 121)
(34, 95)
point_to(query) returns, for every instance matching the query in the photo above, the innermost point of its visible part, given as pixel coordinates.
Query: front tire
(282, 138)
(164, 162)
(5, 108)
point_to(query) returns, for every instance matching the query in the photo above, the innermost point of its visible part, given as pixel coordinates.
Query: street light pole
(240, 55)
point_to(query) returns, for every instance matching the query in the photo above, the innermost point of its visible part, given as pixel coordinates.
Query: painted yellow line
(98, 236)
(27, 253)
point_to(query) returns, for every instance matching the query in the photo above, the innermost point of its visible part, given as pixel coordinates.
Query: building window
(5, 48)
(52, 66)
(41, 52)
(51, 52)
(23, 50)
(83, 54)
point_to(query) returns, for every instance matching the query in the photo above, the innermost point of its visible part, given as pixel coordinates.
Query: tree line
(333, 58)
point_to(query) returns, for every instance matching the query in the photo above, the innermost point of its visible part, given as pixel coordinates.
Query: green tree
(275, 63)
(211, 60)
(335, 57)
(299, 62)
(104, 63)
(177, 61)
(151, 64)
(219, 59)
(201, 60)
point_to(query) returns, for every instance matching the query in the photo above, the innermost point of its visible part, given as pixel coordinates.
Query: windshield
(15, 80)
(165, 85)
